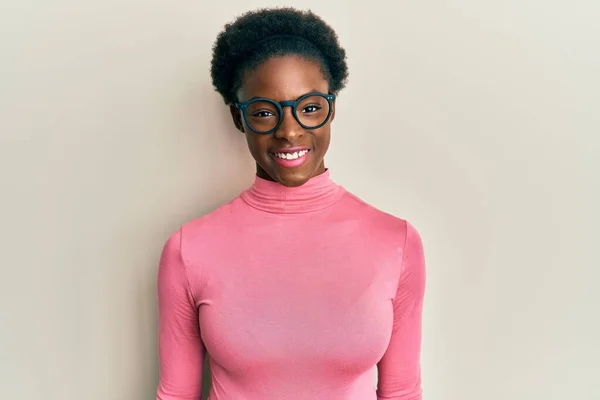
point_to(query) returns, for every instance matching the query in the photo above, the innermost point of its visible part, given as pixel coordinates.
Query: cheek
(322, 140)
(257, 145)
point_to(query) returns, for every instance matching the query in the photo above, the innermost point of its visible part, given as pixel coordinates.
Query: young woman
(296, 289)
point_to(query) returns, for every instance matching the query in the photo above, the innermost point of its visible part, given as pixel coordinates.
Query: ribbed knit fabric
(295, 294)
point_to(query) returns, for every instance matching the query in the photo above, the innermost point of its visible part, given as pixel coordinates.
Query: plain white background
(475, 120)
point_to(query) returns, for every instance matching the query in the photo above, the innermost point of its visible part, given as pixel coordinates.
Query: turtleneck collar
(317, 193)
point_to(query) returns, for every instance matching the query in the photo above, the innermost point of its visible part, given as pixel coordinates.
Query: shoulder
(194, 240)
(393, 236)
(223, 217)
(202, 229)
(381, 224)
(376, 218)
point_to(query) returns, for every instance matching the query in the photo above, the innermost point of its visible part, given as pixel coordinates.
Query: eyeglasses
(264, 116)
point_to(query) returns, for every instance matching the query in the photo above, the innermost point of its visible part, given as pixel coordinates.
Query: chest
(326, 308)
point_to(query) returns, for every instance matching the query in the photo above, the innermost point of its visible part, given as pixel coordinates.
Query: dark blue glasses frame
(286, 103)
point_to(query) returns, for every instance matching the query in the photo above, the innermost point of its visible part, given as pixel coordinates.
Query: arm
(181, 351)
(399, 370)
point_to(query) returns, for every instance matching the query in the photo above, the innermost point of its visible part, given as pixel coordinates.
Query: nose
(289, 129)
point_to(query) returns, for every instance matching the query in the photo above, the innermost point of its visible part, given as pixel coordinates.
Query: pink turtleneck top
(294, 294)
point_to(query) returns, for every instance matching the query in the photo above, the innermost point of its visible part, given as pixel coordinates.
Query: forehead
(283, 78)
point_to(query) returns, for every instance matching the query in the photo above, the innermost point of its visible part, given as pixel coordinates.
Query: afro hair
(257, 36)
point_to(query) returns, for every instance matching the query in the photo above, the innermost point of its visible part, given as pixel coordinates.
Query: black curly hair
(256, 36)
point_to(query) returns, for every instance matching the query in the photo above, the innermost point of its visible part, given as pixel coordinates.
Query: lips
(291, 157)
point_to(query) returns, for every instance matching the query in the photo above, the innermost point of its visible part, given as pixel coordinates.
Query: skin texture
(285, 78)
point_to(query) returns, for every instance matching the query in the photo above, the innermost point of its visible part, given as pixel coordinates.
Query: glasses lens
(312, 111)
(262, 116)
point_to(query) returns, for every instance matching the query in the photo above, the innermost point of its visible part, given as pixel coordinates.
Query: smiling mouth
(290, 159)
(291, 156)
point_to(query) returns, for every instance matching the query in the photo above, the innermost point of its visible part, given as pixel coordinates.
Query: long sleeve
(399, 371)
(181, 351)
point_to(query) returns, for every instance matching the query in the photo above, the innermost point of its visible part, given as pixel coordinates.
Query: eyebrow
(265, 97)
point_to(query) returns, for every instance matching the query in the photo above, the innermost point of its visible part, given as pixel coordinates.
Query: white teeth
(291, 156)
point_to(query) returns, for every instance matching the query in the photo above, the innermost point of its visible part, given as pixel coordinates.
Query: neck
(317, 193)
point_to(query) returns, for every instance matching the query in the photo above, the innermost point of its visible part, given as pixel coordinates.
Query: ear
(236, 115)
(332, 111)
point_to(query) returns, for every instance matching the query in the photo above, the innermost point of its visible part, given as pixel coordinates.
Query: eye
(311, 108)
(262, 114)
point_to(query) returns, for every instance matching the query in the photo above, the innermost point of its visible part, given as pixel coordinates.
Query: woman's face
(279, 79)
